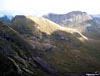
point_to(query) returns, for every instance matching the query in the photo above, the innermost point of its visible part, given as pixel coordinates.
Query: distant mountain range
(71, 17)
(32, 46)
(83, 22)
(6, 18)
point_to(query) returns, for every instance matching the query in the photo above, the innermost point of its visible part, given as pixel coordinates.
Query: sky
(42, 7)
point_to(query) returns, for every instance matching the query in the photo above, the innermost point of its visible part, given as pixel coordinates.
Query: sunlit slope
(49, 27)
(69, 51)
(65, 49)
(31, 25)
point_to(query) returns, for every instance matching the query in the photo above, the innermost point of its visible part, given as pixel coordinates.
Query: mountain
(83, 22)
(32, 46)
(6, 18)
(67, 19)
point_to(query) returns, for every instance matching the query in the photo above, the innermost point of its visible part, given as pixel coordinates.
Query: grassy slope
(68, 54)
(60, 47)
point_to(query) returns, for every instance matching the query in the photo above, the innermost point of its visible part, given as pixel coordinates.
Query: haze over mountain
(32, 46)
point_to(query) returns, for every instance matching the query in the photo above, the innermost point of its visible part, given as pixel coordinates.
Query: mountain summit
(63, 19)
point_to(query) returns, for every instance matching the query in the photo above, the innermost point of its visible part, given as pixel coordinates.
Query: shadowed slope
(18, 57)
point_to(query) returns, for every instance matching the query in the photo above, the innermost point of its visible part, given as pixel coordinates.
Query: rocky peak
(64, 19)
(19, 17)
(77, 13)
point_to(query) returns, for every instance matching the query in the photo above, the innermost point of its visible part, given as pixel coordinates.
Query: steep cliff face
(36, 46)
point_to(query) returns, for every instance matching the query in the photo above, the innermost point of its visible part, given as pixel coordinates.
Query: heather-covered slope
(54, 38)
(18, 57)
(35, 47)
